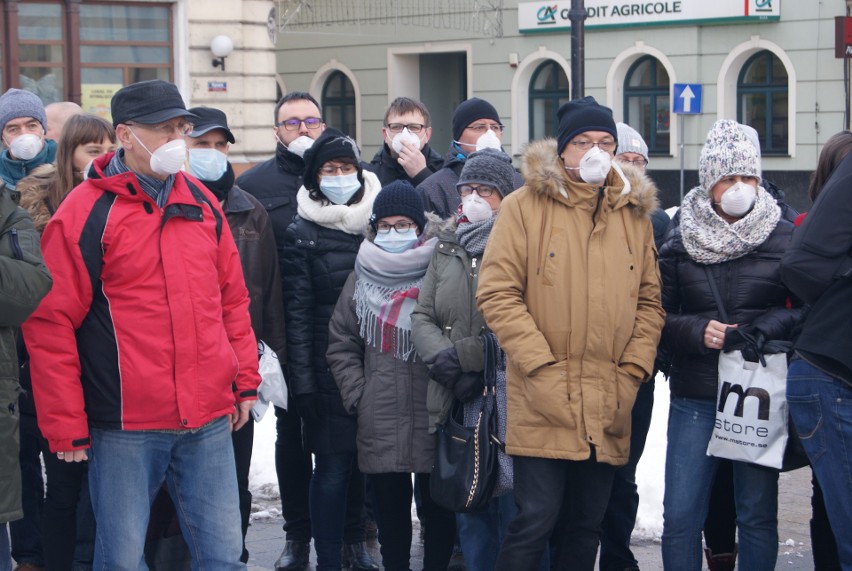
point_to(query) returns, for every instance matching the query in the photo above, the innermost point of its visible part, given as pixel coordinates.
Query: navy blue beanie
(582, 115)
(399, 198)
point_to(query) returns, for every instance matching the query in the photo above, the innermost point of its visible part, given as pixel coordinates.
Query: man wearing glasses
(143, 357)
(570, 286)
(406, 154)
(476, 126)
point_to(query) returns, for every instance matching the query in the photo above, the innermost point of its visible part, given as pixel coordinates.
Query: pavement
(265, 538)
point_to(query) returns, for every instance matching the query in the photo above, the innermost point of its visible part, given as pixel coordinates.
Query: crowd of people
(138, 274)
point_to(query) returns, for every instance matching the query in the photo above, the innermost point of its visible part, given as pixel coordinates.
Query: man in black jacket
(274, 183)
(405, 153)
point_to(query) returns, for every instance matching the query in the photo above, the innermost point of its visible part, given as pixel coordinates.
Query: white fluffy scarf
(709, 239)
(351, 219)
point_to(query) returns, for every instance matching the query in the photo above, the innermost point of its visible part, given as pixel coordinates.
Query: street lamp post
(577, 15)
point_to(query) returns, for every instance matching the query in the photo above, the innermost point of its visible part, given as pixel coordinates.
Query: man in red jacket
(143, 356)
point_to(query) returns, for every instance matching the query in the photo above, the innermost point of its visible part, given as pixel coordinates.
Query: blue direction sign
(687, 98)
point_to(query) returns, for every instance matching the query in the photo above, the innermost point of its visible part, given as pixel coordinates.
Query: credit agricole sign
(543, 17)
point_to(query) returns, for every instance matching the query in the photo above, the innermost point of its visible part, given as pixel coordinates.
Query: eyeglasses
(166, 129)
(329, 170)
(294, 124)
(400, 227)
(481, 190)
(482, 127)
(398, 127)
(636, 162)
(586, 145)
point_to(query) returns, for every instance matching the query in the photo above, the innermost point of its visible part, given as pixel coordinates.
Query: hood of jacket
(545, 174)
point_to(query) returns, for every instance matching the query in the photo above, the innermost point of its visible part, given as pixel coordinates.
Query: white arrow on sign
(687, 95)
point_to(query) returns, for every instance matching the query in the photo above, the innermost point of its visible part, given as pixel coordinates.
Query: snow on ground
(649, 474)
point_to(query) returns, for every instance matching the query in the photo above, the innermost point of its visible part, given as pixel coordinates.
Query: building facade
(85, 50)
(767, 63)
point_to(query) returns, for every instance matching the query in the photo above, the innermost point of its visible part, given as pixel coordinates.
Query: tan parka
(571, 287)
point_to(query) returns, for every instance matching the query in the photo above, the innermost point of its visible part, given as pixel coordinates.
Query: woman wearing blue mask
(382, 380)
(334, 208)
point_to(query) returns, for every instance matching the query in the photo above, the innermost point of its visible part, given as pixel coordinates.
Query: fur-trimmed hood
(545, 174)
(35, 190)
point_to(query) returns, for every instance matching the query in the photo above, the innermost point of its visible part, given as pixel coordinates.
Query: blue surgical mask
(396, 242)
(207, 164)
(340, 189)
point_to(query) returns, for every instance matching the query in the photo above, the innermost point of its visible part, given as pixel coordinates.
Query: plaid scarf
(386, 290)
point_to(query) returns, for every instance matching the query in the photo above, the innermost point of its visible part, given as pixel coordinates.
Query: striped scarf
(158, 190)
(386, 290)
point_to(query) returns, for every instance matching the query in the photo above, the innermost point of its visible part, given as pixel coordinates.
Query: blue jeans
(481, 533)
(821, 408)
(620, 517)
(335, 482)
(689, 480)
(127, 468)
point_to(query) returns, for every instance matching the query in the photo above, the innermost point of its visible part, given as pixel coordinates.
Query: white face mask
(167, 159)
(405, 136)
(299, 145)
(595, 165)
(475, 208)
(738, 199)
(207, 164)
(26, 146)
(488, 140)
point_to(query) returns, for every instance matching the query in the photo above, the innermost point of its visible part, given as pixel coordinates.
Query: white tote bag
(273, 387)
(751, 410)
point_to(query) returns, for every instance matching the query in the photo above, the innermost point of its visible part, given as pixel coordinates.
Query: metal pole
(577, 15)
(680, 122)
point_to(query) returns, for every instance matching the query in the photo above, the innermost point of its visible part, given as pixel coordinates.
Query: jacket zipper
(16, 244)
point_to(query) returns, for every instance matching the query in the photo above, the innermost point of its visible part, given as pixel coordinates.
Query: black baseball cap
(148, 102)
(209, 118)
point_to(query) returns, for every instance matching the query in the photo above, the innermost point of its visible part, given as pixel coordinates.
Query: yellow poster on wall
(96, 97)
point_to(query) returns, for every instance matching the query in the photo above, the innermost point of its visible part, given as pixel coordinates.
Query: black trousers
(392, 494)
(293, 467)
(562, 498)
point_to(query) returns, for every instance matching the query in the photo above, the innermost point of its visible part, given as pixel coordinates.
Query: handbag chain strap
(475, 480)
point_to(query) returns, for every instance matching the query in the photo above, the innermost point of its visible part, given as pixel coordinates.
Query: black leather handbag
(465, 471)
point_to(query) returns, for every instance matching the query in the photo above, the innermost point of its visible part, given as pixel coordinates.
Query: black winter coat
(754, 296)
(317, 261)
(274, 183)
(388, 169)
(818, 268)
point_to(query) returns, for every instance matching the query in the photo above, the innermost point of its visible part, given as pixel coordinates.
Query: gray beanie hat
(630, 141)
(20, 103)
(727, 151)
(491, 167)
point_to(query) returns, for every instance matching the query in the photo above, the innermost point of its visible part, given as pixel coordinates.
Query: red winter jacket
(147, 326)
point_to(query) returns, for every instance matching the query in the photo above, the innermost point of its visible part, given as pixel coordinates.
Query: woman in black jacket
(818, 268)
(730, 232)
(334, 208)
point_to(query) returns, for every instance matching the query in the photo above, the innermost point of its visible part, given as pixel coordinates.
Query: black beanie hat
(331, 145)
(399, 198)
(469, 111)
(491, 167)
(582, 115)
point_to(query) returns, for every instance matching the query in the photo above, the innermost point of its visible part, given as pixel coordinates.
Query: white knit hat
(727, 151)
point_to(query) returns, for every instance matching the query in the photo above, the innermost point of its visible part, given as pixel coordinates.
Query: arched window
(548, 90)
(338, 103)
(646, 103)
(762, 100)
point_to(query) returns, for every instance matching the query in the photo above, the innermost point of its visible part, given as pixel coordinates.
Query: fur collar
(545, 175)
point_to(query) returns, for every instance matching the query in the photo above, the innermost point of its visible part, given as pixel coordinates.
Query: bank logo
(763, 6)
(761, 395)
(546, 15)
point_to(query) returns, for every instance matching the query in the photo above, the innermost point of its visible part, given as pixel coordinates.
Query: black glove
(446, 369)
(469, 386)
(310, 406)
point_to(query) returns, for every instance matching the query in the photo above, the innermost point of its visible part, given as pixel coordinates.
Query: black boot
(358, 558)
(295, 557)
